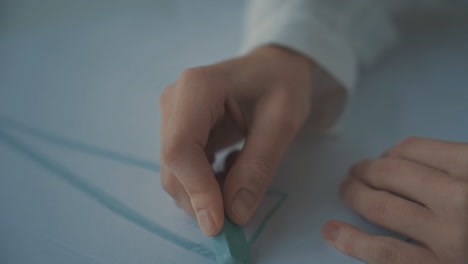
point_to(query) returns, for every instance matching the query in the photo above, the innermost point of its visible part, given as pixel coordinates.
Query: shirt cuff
(305, 35)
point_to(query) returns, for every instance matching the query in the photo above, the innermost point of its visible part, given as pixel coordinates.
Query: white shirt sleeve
(338, 35)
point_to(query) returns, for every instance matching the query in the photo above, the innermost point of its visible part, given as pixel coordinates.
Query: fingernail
(205, 222)
(243, 205)
(331, 232)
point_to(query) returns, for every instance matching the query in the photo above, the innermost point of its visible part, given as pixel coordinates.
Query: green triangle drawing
(103, 198)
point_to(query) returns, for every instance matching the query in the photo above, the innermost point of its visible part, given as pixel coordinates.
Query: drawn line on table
(283, 197)
(123, 158)
(79, 146)
(103, 198)
(53, 240)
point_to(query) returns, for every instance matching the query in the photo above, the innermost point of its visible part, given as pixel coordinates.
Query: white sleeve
(338, 35)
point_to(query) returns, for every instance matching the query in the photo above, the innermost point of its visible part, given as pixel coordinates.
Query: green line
(79, 146)
(122, 158)
(283, 197)
(103, 198)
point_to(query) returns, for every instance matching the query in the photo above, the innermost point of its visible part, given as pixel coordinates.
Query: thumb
(252, 172)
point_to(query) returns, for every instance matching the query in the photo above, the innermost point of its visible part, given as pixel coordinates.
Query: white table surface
(79, 84)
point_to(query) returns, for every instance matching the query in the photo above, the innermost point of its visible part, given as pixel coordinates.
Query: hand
(419, 189)
(263, 97)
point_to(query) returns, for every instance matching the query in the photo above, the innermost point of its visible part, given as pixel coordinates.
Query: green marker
(230, 245)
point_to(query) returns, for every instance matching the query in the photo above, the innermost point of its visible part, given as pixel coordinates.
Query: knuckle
(382, 168)
(192, 75)
(204, 82)
(404, 145)
(285, 115)
(261, 171)
(387, 251)
(197, 75)
(378, 209)
(348, 246)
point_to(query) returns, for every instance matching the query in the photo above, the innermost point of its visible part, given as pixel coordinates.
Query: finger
(447, 156)
(175, 189)
(374, 249)
(193, 170)
(165, 100)
(210, 153)
(169, 181)
(405, 178)
(195, 112)
(270, 134)
(389, 211)
(165, 107)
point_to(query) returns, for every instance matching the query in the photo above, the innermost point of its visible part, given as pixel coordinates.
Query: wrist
(300, 72)
(274, 54)
(269, 66)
